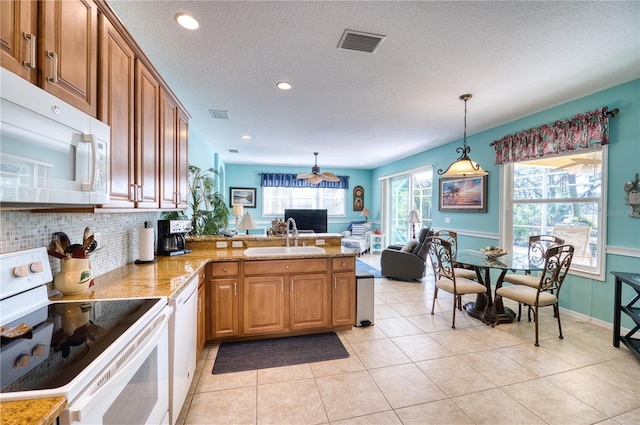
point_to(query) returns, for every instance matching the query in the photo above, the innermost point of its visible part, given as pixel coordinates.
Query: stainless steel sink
(282, 251)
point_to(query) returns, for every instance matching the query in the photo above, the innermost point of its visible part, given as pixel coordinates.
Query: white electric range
(109, 358)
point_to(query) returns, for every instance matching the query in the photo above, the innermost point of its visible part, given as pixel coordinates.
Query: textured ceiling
(355, 108)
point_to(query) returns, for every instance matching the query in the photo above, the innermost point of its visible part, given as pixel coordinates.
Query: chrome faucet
(295, 232)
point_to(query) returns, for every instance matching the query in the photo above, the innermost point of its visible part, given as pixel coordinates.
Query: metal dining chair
(439, 251)
(538, 245)
(557, 261)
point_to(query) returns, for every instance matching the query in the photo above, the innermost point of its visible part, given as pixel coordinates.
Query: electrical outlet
(447, 220)
(221, 244)
(236, 244)
(97, 236)
(319, 241)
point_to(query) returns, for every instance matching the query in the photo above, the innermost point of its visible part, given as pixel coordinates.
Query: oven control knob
(23, 360)
(20, 271)
(36, 267)
(38, 350)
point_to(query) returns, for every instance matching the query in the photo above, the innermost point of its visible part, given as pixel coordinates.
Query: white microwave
(51, 153)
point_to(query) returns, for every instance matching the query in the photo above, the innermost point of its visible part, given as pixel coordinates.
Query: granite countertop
(41, 411)
(163, 278)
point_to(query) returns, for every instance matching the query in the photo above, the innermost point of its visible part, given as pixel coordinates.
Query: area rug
(277, 352)
(362, 266)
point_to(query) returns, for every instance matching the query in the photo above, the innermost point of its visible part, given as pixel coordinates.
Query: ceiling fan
(316, 176)
(580, 165)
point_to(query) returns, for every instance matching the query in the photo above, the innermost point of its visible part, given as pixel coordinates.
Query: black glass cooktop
(65, 338)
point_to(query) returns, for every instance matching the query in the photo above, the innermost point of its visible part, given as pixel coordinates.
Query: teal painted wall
(590, 297)
(249, 176)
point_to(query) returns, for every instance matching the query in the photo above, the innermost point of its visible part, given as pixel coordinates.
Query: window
(562, 196)
(276, 199)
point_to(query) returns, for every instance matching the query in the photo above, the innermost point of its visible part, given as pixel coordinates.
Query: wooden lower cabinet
(343, 299)
(308, 301)
(224, 296)
(264, 304)
(260, 297)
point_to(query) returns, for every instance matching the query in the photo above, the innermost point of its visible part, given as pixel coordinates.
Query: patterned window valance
(580, 132)
(290, 180)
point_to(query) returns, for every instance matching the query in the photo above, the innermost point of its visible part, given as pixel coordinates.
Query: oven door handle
(119, 372)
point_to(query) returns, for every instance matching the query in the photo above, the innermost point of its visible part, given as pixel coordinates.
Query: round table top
(512, 261)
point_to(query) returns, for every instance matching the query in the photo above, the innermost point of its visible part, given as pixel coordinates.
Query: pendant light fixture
(464, 166)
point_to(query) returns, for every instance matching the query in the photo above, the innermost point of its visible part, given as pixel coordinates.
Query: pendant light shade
(463, 166)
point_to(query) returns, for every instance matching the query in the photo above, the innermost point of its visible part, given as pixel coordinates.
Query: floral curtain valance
(290, 180)
(580, 132)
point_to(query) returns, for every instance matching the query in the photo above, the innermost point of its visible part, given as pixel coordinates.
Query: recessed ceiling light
(187, 21)
(399, 147)
(284, 85)
(245, 137)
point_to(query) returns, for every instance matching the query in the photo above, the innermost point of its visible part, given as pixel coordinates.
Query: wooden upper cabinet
(182, 161)
(18, 37)
(69, 53)
(117, 70)
(147, 138)
(168, 151)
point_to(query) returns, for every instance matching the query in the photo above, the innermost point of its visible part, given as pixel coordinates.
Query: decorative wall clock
(358, 198)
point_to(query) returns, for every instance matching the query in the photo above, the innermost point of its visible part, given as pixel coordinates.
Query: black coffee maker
(171, 236)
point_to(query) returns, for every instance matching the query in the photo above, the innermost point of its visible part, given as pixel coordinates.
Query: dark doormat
(276, 352)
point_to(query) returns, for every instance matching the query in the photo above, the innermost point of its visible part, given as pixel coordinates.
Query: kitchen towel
(147, 239)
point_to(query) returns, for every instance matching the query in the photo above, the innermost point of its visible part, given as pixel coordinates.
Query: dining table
(495, 311)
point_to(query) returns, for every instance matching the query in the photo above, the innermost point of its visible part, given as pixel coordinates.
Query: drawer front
(343, 264)
(306, 265)
(224, 268)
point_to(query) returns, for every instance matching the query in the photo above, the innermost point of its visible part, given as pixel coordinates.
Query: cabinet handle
(286, 267)
(224, 269)
(291, 285)
(335, 283)
(282, 286)
(200, 305)
(344, 264)
(235, 288)
(54, 56)
(32, 50)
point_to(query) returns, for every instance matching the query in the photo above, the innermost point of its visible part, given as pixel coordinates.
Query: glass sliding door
(399, 209)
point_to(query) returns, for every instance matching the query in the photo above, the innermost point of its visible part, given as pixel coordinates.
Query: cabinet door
(147, 171)
(201, 335)
(308, 301)
(168, 151)
(182, 161)
(69, 60)
(343, 299)
(224, 307)
(117, 65)
(18, 24)
(264, 304)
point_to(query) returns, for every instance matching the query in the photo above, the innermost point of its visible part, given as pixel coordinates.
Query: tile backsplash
(119, 234)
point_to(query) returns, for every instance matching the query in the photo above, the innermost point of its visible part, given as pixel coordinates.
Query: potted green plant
(206, 204)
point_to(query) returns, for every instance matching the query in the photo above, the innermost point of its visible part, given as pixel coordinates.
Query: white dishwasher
(182, 342)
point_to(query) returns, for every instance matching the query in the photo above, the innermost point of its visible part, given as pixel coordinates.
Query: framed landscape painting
(245, 196)
(463, 194)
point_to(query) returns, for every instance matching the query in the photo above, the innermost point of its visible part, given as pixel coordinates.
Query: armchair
(357, 237)
(403, 265)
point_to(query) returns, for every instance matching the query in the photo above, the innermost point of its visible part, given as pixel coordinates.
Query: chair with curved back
(538, 246)
(439, 251)
(452, 237)
(557, 261)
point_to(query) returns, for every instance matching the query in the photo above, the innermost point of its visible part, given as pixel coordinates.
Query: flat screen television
(307, 219)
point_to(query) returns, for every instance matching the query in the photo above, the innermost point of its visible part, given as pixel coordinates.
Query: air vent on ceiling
(234, 151)
(360, 41)
(219, 114)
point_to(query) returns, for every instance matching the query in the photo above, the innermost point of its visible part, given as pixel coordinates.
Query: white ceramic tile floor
(412, 368)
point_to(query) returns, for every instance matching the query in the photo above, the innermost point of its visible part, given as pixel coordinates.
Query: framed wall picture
(358, 198)
(463, 194)
(245, 196)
